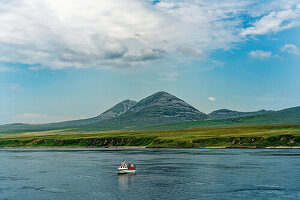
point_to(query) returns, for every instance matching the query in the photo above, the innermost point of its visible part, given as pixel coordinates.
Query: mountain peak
(165, 105)
(162, 93)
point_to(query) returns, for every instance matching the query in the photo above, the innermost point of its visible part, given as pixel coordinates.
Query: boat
(126, 168)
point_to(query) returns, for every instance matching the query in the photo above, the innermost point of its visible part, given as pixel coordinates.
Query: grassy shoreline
(232, 142)
(145, 147)
(231, 137)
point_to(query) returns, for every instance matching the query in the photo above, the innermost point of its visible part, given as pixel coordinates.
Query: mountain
(160, 108)
(225, 113)
(165, 105)
(117, 110)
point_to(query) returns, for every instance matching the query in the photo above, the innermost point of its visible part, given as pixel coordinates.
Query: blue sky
(62, 60)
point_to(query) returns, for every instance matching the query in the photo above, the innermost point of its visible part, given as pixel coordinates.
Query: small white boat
(125, 169)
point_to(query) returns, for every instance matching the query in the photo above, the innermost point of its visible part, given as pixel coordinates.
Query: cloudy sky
(71, 59)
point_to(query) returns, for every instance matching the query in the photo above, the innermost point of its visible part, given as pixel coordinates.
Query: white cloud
(35, 118)
(260, 54)
(114, 50)
(274, 22)
(190, 50)
(146, 54)
(211, 98)
(290, 48)
(96, 33)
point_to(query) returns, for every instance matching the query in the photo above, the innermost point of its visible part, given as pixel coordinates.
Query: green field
(243, 136)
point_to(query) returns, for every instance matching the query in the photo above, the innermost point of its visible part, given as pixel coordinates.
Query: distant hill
(19, 127)
(286, 116)
(113, 112)
(225, 113)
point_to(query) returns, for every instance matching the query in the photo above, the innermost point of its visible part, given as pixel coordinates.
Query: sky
(73, 59)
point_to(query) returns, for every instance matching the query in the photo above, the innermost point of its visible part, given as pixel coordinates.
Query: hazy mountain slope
(11, 128)
(225, 113)
(115, 111)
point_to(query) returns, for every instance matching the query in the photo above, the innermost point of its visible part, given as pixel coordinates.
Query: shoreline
(145, 147)
(278, 141)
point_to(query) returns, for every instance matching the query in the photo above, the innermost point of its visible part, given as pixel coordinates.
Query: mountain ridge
(280, 117)
(226, 113)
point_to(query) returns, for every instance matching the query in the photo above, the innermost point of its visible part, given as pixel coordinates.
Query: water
(161, 174)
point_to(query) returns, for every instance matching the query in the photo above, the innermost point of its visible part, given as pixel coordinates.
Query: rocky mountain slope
(113, 112)
(117, 110)
(165, 105)
(159, 108)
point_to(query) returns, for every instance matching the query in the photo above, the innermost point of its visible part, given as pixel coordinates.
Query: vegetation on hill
(286, 116)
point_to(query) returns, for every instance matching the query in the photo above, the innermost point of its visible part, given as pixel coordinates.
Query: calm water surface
(161, 174)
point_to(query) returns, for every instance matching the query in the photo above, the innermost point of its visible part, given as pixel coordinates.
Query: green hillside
(286, 116)
(225, 113)
(252, 131)
(161, 111)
